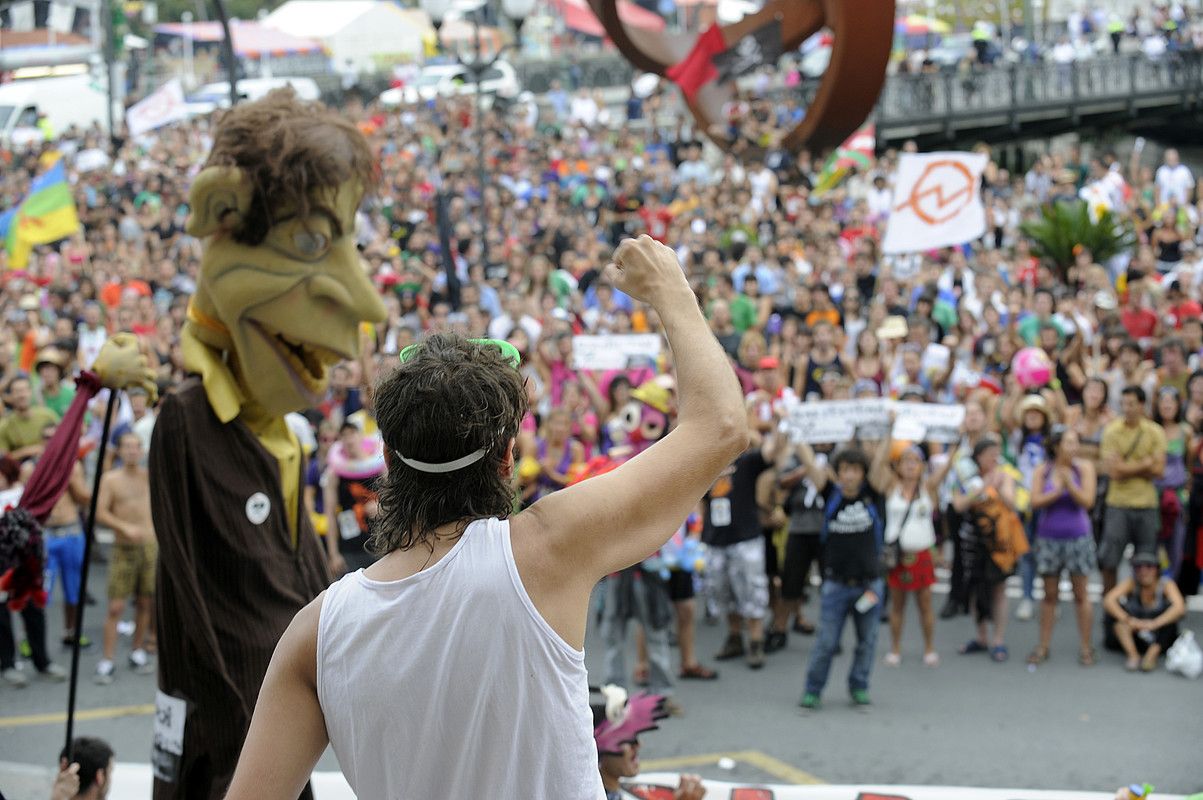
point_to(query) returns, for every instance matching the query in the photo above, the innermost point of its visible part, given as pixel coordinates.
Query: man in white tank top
(420, 669)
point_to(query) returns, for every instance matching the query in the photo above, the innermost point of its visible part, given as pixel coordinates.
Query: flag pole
(89, 536)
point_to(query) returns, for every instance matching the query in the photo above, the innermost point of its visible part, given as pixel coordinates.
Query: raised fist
(647, 270)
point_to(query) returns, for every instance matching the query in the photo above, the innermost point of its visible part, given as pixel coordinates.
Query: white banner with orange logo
(937, 202)
(164, 106)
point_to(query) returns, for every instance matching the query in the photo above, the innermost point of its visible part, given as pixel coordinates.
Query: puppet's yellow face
(293, 304)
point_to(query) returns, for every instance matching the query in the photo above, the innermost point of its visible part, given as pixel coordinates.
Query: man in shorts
(735, 569)
(124, 506)
(1133, 455)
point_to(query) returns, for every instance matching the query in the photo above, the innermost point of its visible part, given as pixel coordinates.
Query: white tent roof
(318, 19)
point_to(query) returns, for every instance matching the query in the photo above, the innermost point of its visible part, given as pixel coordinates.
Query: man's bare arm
(288, 731)
(104, 510)
(78, 487)
(618, 519)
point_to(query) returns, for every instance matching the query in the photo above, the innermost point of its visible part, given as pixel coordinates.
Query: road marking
(754, 758)
(57, 718)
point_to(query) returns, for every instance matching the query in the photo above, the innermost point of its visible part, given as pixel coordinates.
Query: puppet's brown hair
(288, 147)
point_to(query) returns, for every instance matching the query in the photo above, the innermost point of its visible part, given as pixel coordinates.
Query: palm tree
(1065, 224)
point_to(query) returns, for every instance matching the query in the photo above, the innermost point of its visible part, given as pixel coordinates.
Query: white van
(66, 101)
(212, 96)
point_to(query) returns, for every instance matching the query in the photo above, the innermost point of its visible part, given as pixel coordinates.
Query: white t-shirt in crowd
(1174, 183)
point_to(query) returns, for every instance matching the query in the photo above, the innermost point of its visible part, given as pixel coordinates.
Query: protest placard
(615, 351)
(837, 421)
(928, 422)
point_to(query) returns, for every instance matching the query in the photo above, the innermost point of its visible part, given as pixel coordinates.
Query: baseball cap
(1145, 560)
(768, 362)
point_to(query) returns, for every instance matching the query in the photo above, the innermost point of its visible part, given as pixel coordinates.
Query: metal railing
(1019, 93)
(947, 102)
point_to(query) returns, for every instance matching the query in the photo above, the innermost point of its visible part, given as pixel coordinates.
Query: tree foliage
(1064, 225)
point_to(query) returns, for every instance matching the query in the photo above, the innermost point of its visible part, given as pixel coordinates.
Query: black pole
(444, 226)
(89, 535)
(478, 72)
(110, 59)
(227, 50)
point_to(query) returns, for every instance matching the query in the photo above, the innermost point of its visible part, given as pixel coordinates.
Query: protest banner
(615, 351)
(838, 421)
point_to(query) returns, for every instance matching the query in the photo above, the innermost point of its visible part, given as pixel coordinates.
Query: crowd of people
(808, 309)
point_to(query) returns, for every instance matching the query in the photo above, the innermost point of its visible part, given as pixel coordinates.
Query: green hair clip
(508, 351)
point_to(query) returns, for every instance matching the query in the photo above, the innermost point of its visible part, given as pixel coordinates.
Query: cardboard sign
(615, 351)
(838, 421)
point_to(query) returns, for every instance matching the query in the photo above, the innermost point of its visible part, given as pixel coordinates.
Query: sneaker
(860, 697)
(54, 673)
(84, 642)
(809, 700)
(104, 673)
(125, 628)
(15, 677)
(775, 641)
(732, 648)
(141, 663)
(1026, 610)
(755, 654)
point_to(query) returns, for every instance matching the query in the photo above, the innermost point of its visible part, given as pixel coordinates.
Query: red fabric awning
(251, 40)
(579, 17)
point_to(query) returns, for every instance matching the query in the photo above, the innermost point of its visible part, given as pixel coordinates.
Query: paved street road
(969, 722)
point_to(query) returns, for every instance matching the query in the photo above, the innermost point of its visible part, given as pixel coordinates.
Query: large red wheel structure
(862, 32)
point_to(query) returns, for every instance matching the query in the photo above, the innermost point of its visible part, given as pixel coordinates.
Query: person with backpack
(851, 540)
(797, 468)
(992, 539)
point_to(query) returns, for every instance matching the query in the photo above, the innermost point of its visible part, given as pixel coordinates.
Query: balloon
(1032, 368)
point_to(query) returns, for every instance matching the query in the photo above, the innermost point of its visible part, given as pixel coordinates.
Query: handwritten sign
(933, 422)
(837, 421)
(616, 351)
(170, 717)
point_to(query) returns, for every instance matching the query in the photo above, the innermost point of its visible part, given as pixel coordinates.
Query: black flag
(762, 46)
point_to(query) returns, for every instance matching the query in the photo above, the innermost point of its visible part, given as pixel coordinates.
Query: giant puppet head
(282, 289)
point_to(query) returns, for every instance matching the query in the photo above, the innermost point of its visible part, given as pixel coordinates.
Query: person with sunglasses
(419, 669)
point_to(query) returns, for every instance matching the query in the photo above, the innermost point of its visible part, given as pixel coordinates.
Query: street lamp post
(189, 79)
(517, 11)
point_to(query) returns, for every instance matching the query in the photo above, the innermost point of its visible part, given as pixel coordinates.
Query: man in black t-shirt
(852, 542)
(735, 568)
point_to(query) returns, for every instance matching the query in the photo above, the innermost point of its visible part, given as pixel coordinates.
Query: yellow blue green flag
(46, 215)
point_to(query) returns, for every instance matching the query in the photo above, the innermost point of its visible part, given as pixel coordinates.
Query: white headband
(446, 466)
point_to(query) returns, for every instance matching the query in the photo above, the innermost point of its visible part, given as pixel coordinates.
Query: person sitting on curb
(1146, 608)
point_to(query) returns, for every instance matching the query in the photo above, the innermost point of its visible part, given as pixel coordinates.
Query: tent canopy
(251, 40)
(579, 17)
(319, 19)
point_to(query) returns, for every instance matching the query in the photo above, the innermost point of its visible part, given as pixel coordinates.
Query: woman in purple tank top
(1063, 492)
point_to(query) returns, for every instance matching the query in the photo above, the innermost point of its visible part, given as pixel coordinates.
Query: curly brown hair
(453, 397)
(288, 147)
